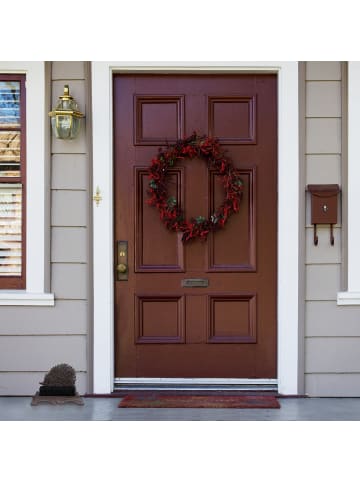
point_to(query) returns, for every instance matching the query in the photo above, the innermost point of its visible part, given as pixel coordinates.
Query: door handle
(121, 268)
(122, 261)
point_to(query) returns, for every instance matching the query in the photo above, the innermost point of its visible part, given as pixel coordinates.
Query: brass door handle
(121, 268)
(122, 265)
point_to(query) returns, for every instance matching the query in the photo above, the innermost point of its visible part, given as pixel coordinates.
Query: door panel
(165, 327)
(171, 256)
(224, 254)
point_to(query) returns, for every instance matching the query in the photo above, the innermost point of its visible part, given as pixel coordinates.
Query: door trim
(288, 211)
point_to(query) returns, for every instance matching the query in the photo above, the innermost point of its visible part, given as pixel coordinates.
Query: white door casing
(288, 210)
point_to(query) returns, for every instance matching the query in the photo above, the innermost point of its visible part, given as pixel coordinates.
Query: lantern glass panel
(61, 125)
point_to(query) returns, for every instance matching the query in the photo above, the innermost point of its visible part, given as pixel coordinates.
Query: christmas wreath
(171, 213)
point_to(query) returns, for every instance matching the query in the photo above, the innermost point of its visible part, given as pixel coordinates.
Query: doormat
(199, 401)
(56, 399)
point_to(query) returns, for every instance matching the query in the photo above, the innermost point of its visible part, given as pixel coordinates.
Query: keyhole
(325, 208)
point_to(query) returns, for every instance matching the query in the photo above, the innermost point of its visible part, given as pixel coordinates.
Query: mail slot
(195, 283)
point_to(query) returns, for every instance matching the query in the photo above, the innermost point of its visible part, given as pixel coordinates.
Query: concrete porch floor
(103, 409)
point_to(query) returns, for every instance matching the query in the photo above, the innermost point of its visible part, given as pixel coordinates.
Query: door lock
(122, 261)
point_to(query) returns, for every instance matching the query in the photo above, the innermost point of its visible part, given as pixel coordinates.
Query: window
(32, 288)
(12, 181)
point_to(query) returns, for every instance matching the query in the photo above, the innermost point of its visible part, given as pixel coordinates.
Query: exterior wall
(332, 333)
(33, 339)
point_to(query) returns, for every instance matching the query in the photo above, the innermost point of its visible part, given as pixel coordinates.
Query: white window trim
(352, 295)
(288, 212)
(35, 188)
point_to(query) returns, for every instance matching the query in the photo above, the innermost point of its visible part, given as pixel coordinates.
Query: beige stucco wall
(33, 339)
(332, 333)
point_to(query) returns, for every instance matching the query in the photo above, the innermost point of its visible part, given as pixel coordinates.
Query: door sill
(241, 384)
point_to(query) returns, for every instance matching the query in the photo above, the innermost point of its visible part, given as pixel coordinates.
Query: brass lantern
(65, 118)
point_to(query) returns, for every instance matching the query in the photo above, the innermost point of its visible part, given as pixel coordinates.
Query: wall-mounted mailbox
(324, 206)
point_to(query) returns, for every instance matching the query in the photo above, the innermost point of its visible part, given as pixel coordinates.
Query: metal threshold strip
(241, 384)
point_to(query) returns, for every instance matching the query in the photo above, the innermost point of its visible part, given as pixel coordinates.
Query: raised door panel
(156, 248)
(232, 318)
(159, 319)
(158, 119)
(233, 119)
(234, 248)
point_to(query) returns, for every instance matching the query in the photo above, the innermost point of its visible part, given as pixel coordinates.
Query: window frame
(37, 199)
(352, 294)
(18, 282)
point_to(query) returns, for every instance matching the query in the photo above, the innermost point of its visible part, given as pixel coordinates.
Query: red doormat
(199, 401)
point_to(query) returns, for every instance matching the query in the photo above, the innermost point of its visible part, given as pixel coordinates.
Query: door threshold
(208, 384)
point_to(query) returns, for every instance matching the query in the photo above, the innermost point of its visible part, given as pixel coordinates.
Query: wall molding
(25, 298)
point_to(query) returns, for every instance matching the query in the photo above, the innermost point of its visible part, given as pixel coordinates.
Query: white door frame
(288, 210)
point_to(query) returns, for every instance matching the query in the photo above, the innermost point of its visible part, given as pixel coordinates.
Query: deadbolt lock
(121, 268)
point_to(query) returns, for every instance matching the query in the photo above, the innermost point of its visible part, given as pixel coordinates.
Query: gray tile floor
(306, 409)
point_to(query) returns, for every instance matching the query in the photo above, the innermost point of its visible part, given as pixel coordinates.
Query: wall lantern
(65, 118)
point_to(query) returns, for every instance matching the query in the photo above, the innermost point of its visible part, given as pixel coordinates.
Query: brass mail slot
(195, 283)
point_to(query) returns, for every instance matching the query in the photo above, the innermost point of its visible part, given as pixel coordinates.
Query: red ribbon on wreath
(171, 214)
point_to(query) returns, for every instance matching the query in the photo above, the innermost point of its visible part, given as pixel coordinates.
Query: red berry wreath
(171, 214)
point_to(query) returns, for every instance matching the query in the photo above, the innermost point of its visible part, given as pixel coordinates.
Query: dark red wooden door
(227, 329)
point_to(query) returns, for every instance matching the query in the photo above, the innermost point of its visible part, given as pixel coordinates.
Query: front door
(225, 328)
